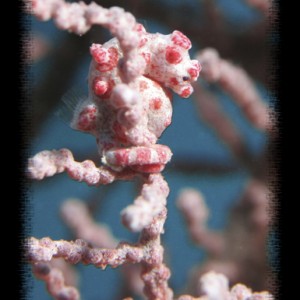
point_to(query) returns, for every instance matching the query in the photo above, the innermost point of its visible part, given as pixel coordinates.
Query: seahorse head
(169, 62)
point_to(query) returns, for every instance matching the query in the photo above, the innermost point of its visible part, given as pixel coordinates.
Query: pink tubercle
(98, 53)
(99, 86)
(193, 72)
(106, 59)
(103, 88)
(86, 119)
(186, 92)
(179, 39)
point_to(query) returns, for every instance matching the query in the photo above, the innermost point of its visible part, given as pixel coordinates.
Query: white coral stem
(79, 17)
(48, 163)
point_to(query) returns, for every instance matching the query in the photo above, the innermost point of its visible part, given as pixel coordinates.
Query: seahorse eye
(185, 78)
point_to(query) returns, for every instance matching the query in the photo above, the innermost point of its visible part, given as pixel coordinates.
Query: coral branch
(55, 282)
(48, 163)
(151, 201)
(148, 251)
(155, 279)
(155, 273)
(243, 242)
(238, 85)
(69, 272)
(76, 216)
(78, 251)
(211, 112)
(79, 17)
(195, 211)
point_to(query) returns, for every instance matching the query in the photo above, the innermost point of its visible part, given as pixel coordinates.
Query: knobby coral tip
(100, 87)
(181, 40)
(186, 92)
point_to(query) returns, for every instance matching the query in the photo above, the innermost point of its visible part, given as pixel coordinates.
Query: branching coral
(241, 247)
(55, 281)
(147, 251)
(236, 82)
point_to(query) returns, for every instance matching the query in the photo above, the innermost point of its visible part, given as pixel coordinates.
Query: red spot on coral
(98, 53)
(99, 87)
(87, 119)
(106, 59)
(173, 81)
(172, 55)
(186, 92)
(143, 85)
(195, 70)
(179, 39)
(155, 104)
(121, 157)
(143, 156)
(151, 168)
